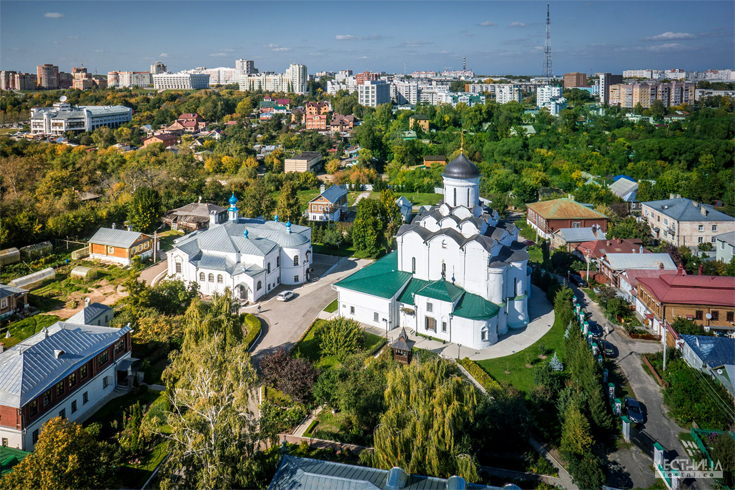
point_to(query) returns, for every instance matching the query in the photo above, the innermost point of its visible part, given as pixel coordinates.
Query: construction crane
(80, 63)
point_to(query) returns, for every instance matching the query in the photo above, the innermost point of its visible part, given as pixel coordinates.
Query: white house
(250, 256)
(459, 274)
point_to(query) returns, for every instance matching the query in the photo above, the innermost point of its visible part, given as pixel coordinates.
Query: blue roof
(233, 199)
(334, 193)
(621, 176)
(682, 209)
(713, 351)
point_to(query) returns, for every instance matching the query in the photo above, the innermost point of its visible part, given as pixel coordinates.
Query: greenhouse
(33, 280)
(9, 256)
(83, 273)
(36, 250)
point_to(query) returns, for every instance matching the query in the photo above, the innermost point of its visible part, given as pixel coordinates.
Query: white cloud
(517, 24)
(666, 47)
(350, 37)
(99, 50)
(53, 15)
(487, 23)
(281, 49)
(670, 36)
(163, 55)
(220, 55)
(72, 37)
(415, 44)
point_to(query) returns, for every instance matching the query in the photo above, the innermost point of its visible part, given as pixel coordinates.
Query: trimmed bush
(480, 375)
(252, 323)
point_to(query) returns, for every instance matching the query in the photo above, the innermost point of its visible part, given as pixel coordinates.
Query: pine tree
(556, 364)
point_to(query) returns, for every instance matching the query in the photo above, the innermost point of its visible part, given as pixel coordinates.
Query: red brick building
(546, 217)
(316, 122)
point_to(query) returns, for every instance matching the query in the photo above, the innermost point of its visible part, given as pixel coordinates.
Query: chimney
(86, 302)
(58, 353)
(130, 227)
(661, 266)
(200, 199)
(703, 211)
(678, 196)
(699, 270)
(680, 270)
(671, 196)
(640, 250)
(114, 226)
(609, 243)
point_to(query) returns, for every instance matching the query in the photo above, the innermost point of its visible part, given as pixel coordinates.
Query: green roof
(441, 290)
(414, 286)
(10, 457)
(475, 307)
(381, 278)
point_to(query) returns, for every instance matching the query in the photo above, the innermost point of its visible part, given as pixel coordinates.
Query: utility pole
(663, 327)
(547, 71)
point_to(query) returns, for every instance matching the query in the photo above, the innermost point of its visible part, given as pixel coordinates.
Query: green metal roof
(10, 457)
(414, 286)
(441, 290)
(475, 307)
(381, 278)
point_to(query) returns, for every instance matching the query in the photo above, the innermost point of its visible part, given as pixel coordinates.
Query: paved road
(286, 321)
(149, 274)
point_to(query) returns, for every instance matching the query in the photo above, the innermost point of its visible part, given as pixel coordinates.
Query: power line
(718, 402)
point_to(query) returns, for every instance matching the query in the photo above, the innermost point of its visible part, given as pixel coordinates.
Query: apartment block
(507, 93)
(546, 93)
(246, 67)
(294, 80)
(372, 93)
(47, 76)
(606, 81)
(157, 68)
(180, 81)
(366, 76)
(575, 79)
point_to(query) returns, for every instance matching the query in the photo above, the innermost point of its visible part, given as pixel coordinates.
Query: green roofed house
(458, 272)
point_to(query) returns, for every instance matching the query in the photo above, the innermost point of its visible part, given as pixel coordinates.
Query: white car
(285, 296)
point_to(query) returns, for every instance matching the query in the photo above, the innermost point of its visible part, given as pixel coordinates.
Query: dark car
(633, 410)
(528, 243)
(578, 281)
(595, 329)
(608, 350)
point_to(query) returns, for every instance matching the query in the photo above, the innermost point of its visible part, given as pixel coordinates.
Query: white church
(458, 274)
(250, 256)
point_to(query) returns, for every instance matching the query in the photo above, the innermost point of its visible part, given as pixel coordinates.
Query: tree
(367, 230)
(586, 471)
(339, 337)
(214, 435)
(66, 456)
(576, 439)
(428, 417)
(145, 209)
(244, 107)
(294, 377)
(333, 165)
(204, 320)
(288, 207)
(658, 109)
(256, 201)
(723, 452)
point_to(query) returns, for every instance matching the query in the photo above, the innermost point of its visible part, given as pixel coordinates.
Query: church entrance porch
(242, 293)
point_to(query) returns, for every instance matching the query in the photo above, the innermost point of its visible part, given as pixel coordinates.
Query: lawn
(4, 131)
(328, 425)
(423, 198)
(525, 229)
(23, 329)
(332, 307)
(308, 347)
(166, 239)
(535, 254)
(339, 252)
(518, 374)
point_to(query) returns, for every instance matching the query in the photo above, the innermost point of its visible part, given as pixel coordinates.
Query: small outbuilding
(9, 256)
(83, 273)
(36, 250)
(402, 348)
(33, 280)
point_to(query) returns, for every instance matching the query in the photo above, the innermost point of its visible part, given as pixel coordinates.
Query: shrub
(480, 374)
(72, 303)
(339, 337)
(253, 325)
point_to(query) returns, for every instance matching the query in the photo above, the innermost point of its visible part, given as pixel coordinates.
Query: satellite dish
(719, 371)
(709, 316)
(63, 98)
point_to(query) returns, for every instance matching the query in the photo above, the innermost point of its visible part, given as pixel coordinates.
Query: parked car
(285, 296)
(578, 281)
(528, 243)
(608, 350)
(595, 329)
(633, 410)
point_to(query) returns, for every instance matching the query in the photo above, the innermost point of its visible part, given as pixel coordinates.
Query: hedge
(487, 381)
(253, 324)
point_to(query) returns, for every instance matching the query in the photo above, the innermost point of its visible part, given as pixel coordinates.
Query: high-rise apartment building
(124, 79)
(298, 77)
(366, 76)
(575, 79)
(157, 68)
(507, 92)
(676, 93)
(671, 94)
(245, 67)
(404, 92)
(12, 80)
(47, 76)
(606, 80)
(372, 93)
(292, 81)
(547, 93)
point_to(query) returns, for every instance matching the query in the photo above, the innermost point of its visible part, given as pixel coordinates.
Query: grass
(423, 198)
(4, 131)
(591, 293)
(27, 327)
(535, 254)
(525, 229)
(308, 347)
(518, 374)
(115, 409)
(166, 239)
(332, 307)
(339, 252)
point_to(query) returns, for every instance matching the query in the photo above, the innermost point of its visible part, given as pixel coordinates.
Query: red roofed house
(342, 123)
(192, 122)
(318, 108)
(707, 300)
(546, 217)
(316, 122)
(167, 139)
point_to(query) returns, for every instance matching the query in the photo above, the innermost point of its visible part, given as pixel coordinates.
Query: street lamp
(386, 328)
(155, 242)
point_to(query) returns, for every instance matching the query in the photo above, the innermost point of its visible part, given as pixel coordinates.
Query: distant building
(576, 79)
(330, 205)
(685, 223)
(430, 160)
(316, 122)
(246, 67)
(725, 247)
(127, 79)
(11, 80)
(317, 108)
(342, 123)
(180, 81)
(505, 93)
(606, 80)
(195, 216)
(365, 76)
(373, 93)
(63, 117)
(568, 238)
(547, 93)
(157, 68)
(294, 80)
(12, 300)
(614, 265)
(555, 105)
(308, 161)
(712, 355)
(119, 246)
(166, 139)
(419, 120)
(187, 123)
(47, 76)
(547, 217)
(405, 92)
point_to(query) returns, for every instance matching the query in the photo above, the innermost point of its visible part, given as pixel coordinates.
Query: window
(202, 277)
(259, 286)
(444, 269)
(666, 222)
(105, 382)
(715, 315)
(430, 324)
(576, 224)
(73, 406)
(701, 227)
(413, 265)
(700, 240)
(308, 254)
(429, 307)
(110, 250)
(4, 303)
(713, 240)
(295, 260)
(730, 316)
(219, 278)
(72, 380)
(698, 315)
(268, 267)
(103, 358)
(444, 326)
(722, 245)
(34, 407)
(658, 218)
(46, 398)
(352, 310)
(83, 372)
(5, 442)
(278, 262)
(455, 196)
(483, 334)
(376, 317)
(295, 278)
(714, 227)
(85, 398)
(35, 436)
(60, 389)
(211, 277)
(120, 345)
(62, 413)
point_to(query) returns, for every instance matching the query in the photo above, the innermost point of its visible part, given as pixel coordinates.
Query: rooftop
(682, 209)
(116, 238)
(679, 288)
(333, 194)
(381, 278)
(621, 261)
(727, 238)
(461, 168)
(597, 248)
(575, 235)
(564, 208)
(307, 155)
(714, 351)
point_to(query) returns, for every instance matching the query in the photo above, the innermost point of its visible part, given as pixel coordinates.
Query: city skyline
(495, 37)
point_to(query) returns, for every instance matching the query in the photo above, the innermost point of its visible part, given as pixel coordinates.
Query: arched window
(260, 286)
(201, 276)
(308, 254)
(178, 267)
(483, 333)
(455, 196)
(211, 278)
(219, 278)
(295, 260)
(278, 261)
(413, 265)
(468, 198)
(268, 267)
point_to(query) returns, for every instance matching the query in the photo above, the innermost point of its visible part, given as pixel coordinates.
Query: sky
(496, 37)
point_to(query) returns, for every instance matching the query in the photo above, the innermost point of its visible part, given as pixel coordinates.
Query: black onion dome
(461, 168)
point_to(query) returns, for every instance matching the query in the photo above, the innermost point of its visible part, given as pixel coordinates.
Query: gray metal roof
(296, 473)
(682, 209)
(200, 209)
(624, 189)
(88, 314)
(6, 291)
(333, 194)
(622, 261)
(115, 238)
(31, 367)
(461, 168)
(727, 238)
(714, 351)
(574, 235)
